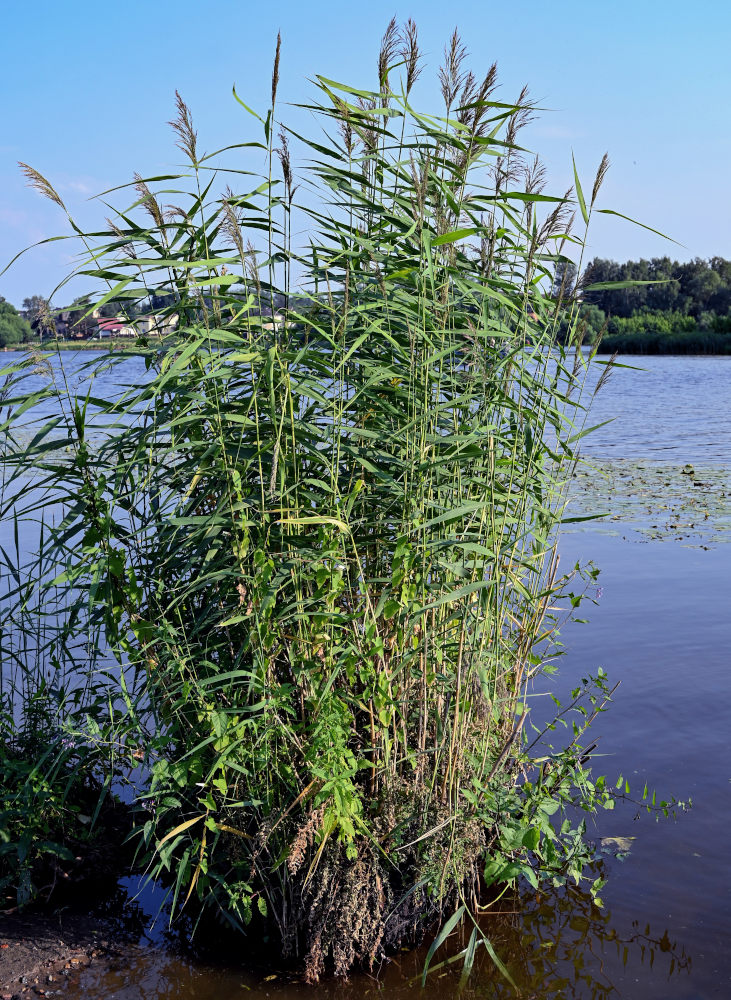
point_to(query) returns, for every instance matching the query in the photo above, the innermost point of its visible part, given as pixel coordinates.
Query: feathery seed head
(275, 71)
(607, 373)
(557, 220)
(603, 167)
(182, 125)
(39, 182)
(451, 76)
(345, 125)
(252, 266)
(366, 132)
(410, 54)
(127, 246)
(283, 154)
(41, 364)
(231, 224)
(386, 54)
(524, 114)
(149, 201)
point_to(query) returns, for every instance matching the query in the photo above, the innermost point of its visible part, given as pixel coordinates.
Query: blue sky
(86, 89)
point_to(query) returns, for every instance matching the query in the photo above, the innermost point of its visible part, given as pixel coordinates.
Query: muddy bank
(39, 952)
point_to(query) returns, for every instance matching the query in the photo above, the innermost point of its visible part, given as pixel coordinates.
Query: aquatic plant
(312, 553)
(59, 829)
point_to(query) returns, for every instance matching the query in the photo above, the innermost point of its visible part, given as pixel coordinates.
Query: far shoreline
(606, 347)
(64, 345)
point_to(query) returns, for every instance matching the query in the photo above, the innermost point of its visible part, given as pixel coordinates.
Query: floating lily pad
(653, 501)
(617, 847)
(616, 843)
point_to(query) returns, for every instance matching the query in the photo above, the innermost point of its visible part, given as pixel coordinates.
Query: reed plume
(323, 550)
(37, 181)
(386, 54)
(410, 54)
(599, 179)
(451, 73)
(182, 125)
(149, 202)
(275, 70)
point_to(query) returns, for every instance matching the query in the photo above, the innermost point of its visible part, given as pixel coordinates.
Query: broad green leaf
(457, 234)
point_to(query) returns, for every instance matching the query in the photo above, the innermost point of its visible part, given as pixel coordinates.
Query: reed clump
(311, 550)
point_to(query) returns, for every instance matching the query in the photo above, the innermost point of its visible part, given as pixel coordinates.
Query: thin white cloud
(84, 185)
(79, 186)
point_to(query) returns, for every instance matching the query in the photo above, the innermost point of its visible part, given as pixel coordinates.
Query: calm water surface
(663, 628)
(670, 409)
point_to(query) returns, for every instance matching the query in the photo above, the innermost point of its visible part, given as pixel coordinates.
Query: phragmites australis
(473, 98)
(284, 159)
(125, 245)
(451, 74)
(182, 125)
(149, 201)
(345, 125)
(607, 373)
(275, 71)
(231, 223)
(599, 179)
(524, 114)
(39, 182)
(558, 220)
(410, 54)
(252, 267)
(534, 174)
(386, 54)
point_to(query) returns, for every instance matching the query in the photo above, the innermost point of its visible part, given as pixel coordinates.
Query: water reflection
(568, 947)
(555, 945)
(125, 919)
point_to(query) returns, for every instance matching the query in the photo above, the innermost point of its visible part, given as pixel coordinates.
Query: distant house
(62, 322)
(277, 323)
(157, 324)
(116, 328)
(145, 325)
(69, 325)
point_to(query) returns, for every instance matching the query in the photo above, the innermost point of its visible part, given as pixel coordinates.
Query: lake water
(662, 628)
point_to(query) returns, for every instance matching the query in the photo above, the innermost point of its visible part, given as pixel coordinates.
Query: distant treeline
(686, 309)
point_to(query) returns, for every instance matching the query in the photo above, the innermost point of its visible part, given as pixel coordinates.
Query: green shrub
(321, 544)
(59, 829)
(13, 328)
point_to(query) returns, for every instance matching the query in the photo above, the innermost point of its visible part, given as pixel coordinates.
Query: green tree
(692, 288)
(564, 279)
(595, 320)
(13, 328)
(34, 308)
(38, 312)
